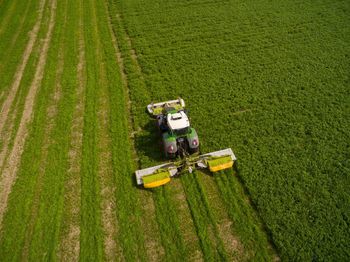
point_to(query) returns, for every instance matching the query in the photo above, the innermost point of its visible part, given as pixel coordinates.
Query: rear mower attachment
(160, 175)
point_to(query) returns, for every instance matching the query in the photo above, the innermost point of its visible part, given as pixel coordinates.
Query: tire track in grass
(21, 67)
(9, 125)
(70, 244)
(12, 49)
(6, 135)
(9, 173)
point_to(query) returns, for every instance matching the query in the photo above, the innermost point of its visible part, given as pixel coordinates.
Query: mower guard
(156, 109)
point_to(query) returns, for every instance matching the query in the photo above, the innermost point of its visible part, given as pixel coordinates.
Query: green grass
(14, 40)
(20, 219)
(270, 80)
(150, 153)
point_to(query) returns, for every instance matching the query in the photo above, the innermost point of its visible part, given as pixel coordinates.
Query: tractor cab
(178, 123)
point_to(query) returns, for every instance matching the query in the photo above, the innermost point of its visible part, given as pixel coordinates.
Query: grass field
(269, 79)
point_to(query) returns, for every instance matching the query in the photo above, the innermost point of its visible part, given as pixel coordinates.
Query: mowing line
(70, 238)
(20, 70)
(154, 248)
(240, 211)
(112, 249)
(9, 174)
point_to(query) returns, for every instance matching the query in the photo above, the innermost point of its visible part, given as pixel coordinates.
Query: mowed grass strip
(91, 243)
(18, 215)
(246, 223)
(14, 43)
(11, 33)
(204, 220)
(51, 201)
(128, 208)
(69, 244)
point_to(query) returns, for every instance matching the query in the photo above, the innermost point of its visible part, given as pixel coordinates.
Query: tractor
(181, 145)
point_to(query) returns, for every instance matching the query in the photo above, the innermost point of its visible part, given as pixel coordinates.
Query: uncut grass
(274, 84)
(21, 200)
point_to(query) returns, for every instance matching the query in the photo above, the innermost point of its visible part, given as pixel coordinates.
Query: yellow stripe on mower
(157, 179)
(220, 163)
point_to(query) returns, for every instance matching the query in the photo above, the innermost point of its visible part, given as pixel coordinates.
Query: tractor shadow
(148, 142)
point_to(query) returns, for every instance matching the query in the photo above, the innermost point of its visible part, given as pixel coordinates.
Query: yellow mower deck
(160, 175)
(220, 163)
(157, 179)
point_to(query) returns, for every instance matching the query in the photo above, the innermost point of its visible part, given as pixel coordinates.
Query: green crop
(268, 79)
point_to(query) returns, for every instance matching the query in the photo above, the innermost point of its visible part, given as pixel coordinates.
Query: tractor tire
(170, 155)
(193, 150)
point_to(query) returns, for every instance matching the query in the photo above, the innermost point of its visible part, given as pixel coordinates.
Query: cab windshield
(181, 131)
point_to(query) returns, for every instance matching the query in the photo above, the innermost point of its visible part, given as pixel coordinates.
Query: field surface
(270, 79)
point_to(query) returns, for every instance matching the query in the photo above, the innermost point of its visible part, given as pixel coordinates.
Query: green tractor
(181, 145)
(178, 137)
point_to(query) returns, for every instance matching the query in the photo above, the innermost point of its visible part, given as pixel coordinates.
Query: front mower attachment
(161, 174)
(156, 109)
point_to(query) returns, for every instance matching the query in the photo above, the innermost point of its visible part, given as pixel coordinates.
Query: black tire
(193, 150)
(170, 155)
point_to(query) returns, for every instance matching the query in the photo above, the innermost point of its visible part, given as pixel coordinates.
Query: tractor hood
(178, 120)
